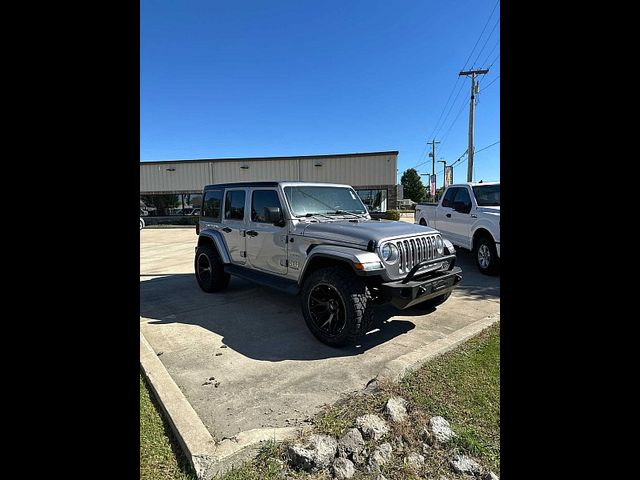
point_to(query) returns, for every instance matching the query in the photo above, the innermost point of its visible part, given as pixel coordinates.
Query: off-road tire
(356, 300)
(218, 279)
(486, 245)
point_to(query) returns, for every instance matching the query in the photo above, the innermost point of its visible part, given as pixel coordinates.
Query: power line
(491, 52)
(484, 89)
(450, 108)
(485, 43)
(443, 109)
(483, 29)
(438, 126)
(494, 61)
(459, 161)
(489, 146)
(444, 139)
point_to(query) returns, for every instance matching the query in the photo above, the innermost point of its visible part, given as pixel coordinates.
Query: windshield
(487, 195)
(307, 200)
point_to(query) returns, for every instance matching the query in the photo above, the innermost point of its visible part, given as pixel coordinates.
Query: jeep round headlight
(439, 245)
(389, 252)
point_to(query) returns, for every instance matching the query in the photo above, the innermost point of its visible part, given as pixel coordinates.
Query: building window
(169, 204)
(159, 205)
(192, 203)
(375, 200)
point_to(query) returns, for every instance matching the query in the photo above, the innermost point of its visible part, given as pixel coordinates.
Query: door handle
(448, 215)
(227, 230)
(252, 233)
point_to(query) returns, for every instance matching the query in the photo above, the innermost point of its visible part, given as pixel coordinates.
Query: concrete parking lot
(267, 368)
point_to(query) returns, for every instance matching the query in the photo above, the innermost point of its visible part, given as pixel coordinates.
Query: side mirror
(274, 215)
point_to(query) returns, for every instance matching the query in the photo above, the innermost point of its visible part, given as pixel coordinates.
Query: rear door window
(211, 204)
(234, 205)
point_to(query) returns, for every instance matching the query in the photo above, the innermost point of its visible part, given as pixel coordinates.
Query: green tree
(412, 185)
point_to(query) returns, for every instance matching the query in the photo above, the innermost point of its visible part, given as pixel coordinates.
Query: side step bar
(283, 284)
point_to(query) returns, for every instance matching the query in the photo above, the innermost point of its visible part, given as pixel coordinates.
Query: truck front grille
(415, 250)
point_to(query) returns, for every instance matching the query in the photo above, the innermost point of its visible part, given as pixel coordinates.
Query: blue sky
(248, 78)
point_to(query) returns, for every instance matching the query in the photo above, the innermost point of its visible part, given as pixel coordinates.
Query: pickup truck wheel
(486, 256)
(336, 305)
(210, 270)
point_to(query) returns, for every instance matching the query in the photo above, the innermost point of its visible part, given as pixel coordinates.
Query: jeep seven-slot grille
(415, 250)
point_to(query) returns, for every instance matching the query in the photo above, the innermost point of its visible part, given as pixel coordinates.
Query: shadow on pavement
(265, 324)
(475, 285)
(255, 321)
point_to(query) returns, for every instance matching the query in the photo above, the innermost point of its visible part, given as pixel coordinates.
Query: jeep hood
(363, 231)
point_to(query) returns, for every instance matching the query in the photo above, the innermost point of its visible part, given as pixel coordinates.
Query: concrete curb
(206, 457)
(398, 368)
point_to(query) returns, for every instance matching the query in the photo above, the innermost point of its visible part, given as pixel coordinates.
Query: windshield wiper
(315, 214)
(344, 212)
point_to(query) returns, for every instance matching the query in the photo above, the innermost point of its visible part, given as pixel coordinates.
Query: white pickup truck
(468, 215)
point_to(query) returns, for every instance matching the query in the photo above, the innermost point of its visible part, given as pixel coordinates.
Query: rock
(360, 458)
(371, 387)
(343, 468)
(379, 476)
(441, 429)
(397, 444)
(317, 454)
(324, 448)
(415, 460)
(426, 450)
(372, 426)
(300, 457)
(396, 409)
(379, 457)
(491, 476)
(350, 443)
(465, 465)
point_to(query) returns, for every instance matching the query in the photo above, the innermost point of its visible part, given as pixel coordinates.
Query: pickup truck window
(462, 196)
(447, 201)
(234, 205)
(263, 199)
(487, 195)
(212, 201)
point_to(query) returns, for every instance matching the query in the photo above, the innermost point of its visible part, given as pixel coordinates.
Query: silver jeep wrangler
(319, 241)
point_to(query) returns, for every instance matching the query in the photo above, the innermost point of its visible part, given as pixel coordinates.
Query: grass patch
(462, 385)
(160, 455)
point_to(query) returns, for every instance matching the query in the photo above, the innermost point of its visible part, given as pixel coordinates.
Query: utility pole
(433, 161)
(474, 91)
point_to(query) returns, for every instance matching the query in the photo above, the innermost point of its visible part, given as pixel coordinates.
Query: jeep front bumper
(408, 292)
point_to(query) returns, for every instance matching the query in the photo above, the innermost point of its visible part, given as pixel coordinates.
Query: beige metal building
(174, 187)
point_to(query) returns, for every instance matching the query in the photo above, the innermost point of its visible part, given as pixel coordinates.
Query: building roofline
(332, 155)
